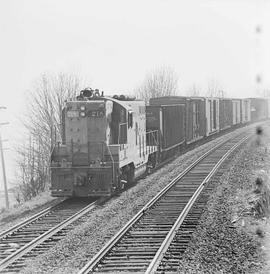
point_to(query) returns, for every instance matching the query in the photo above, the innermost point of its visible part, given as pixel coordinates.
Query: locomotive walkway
(153, 239)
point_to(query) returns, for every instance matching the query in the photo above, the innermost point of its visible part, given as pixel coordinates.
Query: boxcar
(259, 109)
(212, 115)
(245, 111)
(268, 107)
(236, 107)
(225, 113)
(195, 122)
(169, 120)
(196, 118)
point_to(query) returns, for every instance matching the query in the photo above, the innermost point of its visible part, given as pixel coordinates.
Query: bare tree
(162, 81)
(46, 102)
(194, 91)
(215, 89)
(33, 170)
(43, 123)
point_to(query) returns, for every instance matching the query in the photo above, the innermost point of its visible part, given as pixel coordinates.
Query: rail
(170, 236)
(95, 261)
(18, 254)
(27, 221)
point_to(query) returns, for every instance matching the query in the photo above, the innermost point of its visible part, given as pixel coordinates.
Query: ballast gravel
(225, 240)
(81, 244)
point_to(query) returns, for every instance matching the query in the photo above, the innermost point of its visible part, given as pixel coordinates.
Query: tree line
(43, 119)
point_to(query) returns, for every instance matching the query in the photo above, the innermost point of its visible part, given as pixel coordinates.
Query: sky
(112, 45)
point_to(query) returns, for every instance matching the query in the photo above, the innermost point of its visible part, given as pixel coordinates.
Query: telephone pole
(3, 164)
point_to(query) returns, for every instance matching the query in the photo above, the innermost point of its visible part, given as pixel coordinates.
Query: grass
(29, 207)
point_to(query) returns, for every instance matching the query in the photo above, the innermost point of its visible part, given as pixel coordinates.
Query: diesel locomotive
(108, 142)
(105, 145)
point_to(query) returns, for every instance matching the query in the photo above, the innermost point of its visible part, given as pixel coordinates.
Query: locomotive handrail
(76, 147)
(153, 133)
(151, 139)
(113, 167)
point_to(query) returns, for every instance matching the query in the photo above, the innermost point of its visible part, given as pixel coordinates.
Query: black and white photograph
(135, 136)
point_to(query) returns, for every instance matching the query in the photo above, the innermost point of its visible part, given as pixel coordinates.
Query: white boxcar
(245, 111)
(236, 111)
(268, 107)
(212, 115)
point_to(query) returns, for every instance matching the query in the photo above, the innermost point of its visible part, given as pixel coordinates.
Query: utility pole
(3, 165)
(259, 50)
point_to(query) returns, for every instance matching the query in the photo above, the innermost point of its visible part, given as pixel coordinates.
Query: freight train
(108, 142)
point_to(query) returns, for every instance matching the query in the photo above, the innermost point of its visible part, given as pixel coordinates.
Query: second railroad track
(154, 239)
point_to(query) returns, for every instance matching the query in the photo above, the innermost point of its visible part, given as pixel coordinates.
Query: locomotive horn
(96, 94)
(88, 92)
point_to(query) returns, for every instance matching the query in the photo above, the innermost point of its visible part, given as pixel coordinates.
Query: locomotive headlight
(82, 108)
(82, 114)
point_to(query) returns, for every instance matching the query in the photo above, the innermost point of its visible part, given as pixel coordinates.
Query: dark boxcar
(167, 100)
(225, 113)
(169, 120)
(195, 121)
(259, 109)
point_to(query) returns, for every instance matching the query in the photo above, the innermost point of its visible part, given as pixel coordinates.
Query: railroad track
(40, 232)
(154, 239)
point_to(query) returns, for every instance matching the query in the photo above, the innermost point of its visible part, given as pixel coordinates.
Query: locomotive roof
(125, 104)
